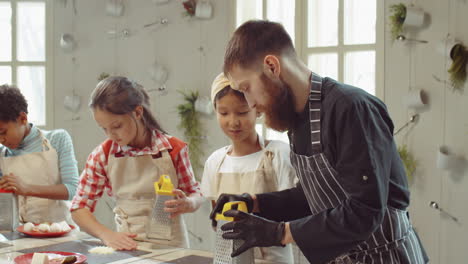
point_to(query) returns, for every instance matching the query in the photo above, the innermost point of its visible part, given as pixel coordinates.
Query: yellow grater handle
(241, 206)
(164, 185)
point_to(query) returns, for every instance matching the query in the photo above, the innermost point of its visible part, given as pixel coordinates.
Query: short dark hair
(12, 103)
(255, 39)
(228, 90)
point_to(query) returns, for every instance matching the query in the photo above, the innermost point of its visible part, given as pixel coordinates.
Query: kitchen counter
(13, 244)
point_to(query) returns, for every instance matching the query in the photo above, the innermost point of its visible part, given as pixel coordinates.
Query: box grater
(8, 203)
(160, 223)
(225, 247)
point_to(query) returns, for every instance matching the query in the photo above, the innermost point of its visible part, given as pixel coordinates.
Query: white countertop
(156, 253)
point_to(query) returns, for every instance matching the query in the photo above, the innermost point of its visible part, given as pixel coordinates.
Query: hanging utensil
(435, 205)
(162, 21)
(413, 119)
(403, 39)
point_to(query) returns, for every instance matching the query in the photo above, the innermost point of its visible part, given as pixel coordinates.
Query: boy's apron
(38, 168)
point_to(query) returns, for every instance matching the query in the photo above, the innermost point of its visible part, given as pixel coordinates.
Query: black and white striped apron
(393, 242)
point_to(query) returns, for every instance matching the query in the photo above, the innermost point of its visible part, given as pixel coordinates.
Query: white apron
(132, 180)
(38, 168)
(262, 180)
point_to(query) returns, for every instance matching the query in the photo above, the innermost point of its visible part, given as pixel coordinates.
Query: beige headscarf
(219, 83)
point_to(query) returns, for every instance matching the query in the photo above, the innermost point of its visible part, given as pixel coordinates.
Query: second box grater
(160, 223)
(8, 203)
(225, 247)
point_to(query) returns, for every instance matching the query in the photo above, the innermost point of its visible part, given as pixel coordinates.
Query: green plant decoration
(408, 160)
(192, 127)
(397, 18)
(457, 71)
(102, 76)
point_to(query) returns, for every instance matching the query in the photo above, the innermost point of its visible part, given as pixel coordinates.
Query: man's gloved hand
(224, 198)
(254, 230)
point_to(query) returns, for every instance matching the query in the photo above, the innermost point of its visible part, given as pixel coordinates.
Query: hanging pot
(72, 103)
(203, 10)
(414, 17)
(114, 8)
(446, 45)
(158, 73)
(415, 99)
(204, 105)
(67, 42)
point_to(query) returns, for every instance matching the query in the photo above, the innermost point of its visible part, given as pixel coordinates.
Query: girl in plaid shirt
(133, 157)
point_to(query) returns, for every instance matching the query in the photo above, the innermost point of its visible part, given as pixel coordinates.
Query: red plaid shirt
(94, 178)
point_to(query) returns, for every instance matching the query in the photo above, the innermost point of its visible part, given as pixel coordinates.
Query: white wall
(443, 123)
(175, 45)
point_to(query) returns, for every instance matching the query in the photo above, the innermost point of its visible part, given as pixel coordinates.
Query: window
(341, 39)
(23, 53)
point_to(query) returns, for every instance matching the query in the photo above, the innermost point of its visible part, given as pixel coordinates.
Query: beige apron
(262, 180)
(38, 168)
(132, 180)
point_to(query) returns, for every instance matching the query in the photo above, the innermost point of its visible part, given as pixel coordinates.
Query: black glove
(254, 230)
(224, 198)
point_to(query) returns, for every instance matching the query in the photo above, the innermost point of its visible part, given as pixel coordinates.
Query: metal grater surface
(8, 203)
(224, 248)
(160, 225)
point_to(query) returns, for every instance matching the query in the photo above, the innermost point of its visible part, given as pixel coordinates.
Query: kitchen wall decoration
(445, 159)
(416, 99)
(67, 42)
(192, 128)
(114, 8)
(159, 75)
(404, 16)
(204, 105)
(458, 69)
(409, 161)
(456, 52)
(201, 9)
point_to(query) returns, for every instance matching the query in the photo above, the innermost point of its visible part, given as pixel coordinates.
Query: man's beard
(280, 105)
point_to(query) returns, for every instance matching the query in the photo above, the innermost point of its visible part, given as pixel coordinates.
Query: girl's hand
(15, 184)
(119, 240)
(182, 204)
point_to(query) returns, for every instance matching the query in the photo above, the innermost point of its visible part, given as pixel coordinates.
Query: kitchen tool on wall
(436, 206)
(162, 21)
(159, 75)
(402, 38)
(115, 34)
(225, 247)
(413, 119)
(9, 207)
(160, 224)
(114, 8)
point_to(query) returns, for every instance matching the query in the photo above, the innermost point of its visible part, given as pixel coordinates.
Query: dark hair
(255, 39)
(228, 90)
(119, 95)
(12, 103)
